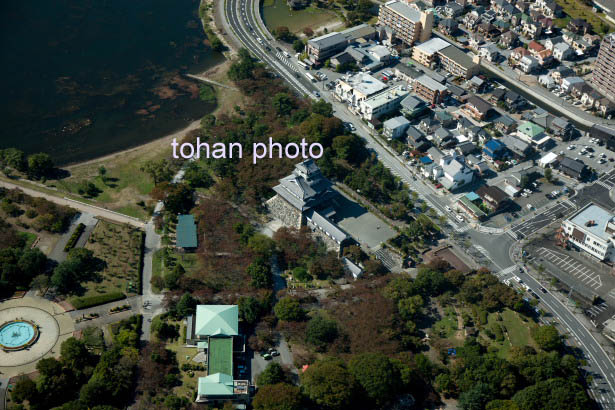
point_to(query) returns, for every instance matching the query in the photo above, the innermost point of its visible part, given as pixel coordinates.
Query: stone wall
(284, 211)
(317, 233)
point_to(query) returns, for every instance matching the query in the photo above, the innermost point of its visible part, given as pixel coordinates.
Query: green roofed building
(214, 330)
(186, 232)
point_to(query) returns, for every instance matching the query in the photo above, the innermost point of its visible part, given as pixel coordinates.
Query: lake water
(84, 78)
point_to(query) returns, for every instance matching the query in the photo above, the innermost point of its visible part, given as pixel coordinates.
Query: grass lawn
(189, 261)
(576, 9)
(517, 331)
(185, 355)
(125, 183)
(447, 326)
(120, 247)
(276, 13)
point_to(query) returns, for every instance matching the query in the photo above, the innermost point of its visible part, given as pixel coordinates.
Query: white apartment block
(592, 229)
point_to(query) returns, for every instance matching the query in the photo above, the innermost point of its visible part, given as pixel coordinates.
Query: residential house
(490, 52)
(530, 132)
(448, 26)
(428, 125)
(478, 108)
(518, 53)
(552, 41)
(591, 98)
(546, 81)
(477, 133)
(413, 107)
(535, 47)
(452, 9)
(562, 128)
(443, 138)
(497, 95)
(445, 118)
(606, 108)
(465, 148)
(416, 139)
(494, 150)
(509, 39)
(453, 172)
(395, 127)
(561, 72)
(531, 29)
(578, 89)
(406, 73)
(518, 148)
(528, 64)
(476, 84)
(505, 124)
(562, 51)
(493, 197)
(568, 82)
(488, 30)
(545, 58)
(476, 164)
(573, 168)
(514, 101)
(579, 26)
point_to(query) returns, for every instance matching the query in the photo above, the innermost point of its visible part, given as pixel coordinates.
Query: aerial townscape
(450, 245)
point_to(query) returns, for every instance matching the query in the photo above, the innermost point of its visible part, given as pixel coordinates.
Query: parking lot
(572, 267)
(593, 153)
(542, 219)
(361, 224)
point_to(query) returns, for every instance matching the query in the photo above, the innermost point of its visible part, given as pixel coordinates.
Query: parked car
(459, 218)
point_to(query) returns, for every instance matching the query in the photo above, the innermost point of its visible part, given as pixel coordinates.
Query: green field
(276, 13)
(447, 326)
(220, 358)
(517, 332)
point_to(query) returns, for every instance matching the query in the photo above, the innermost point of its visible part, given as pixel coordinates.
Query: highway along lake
(84, 78)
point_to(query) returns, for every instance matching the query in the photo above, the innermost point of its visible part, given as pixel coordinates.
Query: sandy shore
(152, 144)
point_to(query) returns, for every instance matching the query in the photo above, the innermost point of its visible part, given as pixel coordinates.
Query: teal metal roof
(472, 196)
(218, 384)
(217, 320)
(186, 231)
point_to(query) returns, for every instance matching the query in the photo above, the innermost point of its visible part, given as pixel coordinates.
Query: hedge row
(140, 265)
(89, 301)
(74, 237)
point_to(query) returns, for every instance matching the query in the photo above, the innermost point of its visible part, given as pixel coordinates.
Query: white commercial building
(383, 103)
(592, 229)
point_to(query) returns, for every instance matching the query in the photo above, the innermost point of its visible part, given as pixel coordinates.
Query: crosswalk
(287, 62)
(507, 271)
(604, 184)
(611, 294)
(596, 310)
(512, 234)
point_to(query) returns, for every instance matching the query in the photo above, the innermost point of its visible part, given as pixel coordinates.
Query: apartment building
(429, 89)
(321, 48)
(408, 24)
(450, 57)
(383, 103)
(592, 229)
(604, 72)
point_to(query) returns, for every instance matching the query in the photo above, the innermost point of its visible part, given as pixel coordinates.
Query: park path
(80, 206)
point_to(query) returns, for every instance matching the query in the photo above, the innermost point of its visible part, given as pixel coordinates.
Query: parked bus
(310, 77)
(303, 65)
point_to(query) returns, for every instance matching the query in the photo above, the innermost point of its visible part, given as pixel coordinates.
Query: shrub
(90, 301)
(72, 241)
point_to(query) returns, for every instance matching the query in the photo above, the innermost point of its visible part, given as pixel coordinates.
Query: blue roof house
(494, 149)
